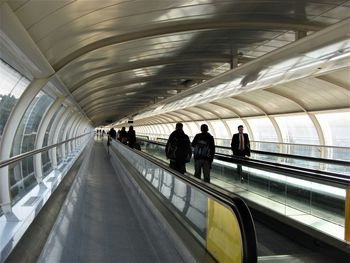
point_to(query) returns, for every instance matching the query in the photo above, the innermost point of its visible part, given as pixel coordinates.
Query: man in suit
(240, 144)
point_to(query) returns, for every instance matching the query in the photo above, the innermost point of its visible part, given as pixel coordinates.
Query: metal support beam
(63, 118)
(38, 171)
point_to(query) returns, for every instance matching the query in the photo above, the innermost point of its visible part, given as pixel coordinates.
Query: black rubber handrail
(230, 200)
(286, 155)
(329, 178)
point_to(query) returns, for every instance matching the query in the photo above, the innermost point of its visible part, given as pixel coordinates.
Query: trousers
(204, 165)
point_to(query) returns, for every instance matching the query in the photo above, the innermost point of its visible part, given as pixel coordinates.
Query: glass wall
(60, 139)
(12, 85)
(336, 130)
(299, 129)
(186, 128)
(263, 131)
(233, 125)
(220, 133)
(194, 128)
(299, 134)
(45, 159)
(22, 174)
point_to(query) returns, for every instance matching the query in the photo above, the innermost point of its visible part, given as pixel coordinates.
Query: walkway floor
(99, 223)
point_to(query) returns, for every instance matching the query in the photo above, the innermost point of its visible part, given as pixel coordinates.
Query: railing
(306, 150)
(299, 191)
(22, 156)
(27, 195)
(309, 162)
(220, 221)
(22, 177)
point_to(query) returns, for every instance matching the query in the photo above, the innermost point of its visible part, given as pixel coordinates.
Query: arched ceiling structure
(120, 57)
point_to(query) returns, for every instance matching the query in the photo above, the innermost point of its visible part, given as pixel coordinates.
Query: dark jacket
(206, 137)
(123, 136)
(180, 143)
(131, 138)
(113, 133)
(235, 145)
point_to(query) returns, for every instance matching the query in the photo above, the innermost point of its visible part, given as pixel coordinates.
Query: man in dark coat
(178, 149)
(123, 136)
(204, 151)
(113, 133)
(131, 137)
(240, 144)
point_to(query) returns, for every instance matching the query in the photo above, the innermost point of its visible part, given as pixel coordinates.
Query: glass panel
(60, 139)
(336, 130)
(263, 130)
(12, 85)
(161, 130)
(170, 127)
(289, 196)
(166, 129)
(194, 129)
(175, 191)
(219, 130)
(299, 130)
(45, 158)
(156, 130)
(26, 132)
(186, 128)
(22, 174)
(233, 125)
(208, 220)
(221, 134)
(328, 202)
(22, 179)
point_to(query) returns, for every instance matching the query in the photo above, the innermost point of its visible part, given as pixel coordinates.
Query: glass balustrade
(342, 152)
(315, 204)
(214, 224)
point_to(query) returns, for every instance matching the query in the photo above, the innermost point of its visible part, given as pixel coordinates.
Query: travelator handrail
(278, 143)
(287, 155)
(229, 199)
(329, 178)
(22, 156)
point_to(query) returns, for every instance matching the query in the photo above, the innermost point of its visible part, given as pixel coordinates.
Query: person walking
(131, 137)
(203, 152)
(123, 136)
(240, 144)
(113, 133)
(178, 149)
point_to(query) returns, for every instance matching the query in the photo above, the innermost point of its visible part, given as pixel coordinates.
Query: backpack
(179, 148)
(201, 150)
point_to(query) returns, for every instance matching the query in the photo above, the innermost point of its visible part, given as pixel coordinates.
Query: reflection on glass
(297, 196)
(24, 141)
(263, 130)
(45, 156)
(189, 202)
(299, 130)
(12, 85)
(336, 130)
(22, 178)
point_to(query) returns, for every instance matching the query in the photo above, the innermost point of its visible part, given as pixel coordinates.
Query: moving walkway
(204, 224)
(312, 201)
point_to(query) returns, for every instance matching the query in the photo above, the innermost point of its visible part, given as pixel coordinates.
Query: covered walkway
(99, 222)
